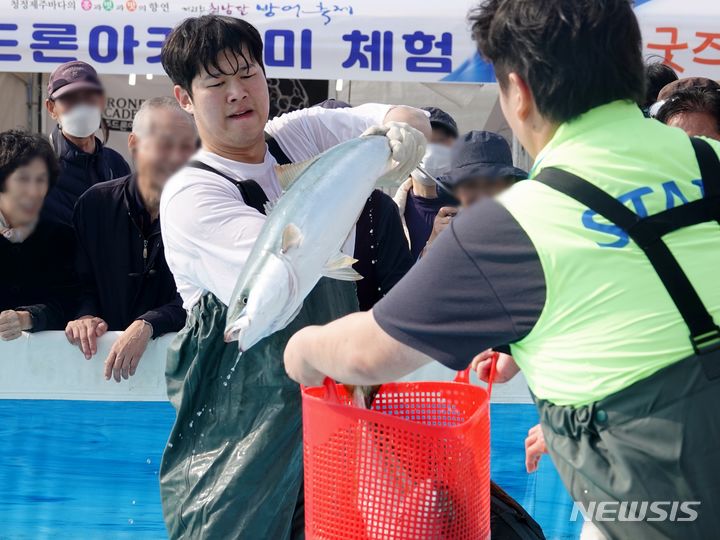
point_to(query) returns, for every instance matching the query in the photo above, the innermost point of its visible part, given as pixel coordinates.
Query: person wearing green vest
(599, 273)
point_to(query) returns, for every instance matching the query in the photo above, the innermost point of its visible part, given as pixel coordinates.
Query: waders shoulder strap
(275, 150)
(647, 233)
(250, 190)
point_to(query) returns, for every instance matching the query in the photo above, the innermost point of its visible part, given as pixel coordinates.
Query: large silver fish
(301, 240)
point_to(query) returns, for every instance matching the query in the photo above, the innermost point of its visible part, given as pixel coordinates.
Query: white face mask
(81, 121)
(436, 161)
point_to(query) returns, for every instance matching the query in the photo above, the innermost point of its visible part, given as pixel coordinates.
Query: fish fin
(287, 174)
(291, 237)
(343, 274)
(339, 260)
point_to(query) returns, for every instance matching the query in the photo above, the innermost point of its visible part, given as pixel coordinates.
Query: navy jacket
(121, 262)
(79, 171)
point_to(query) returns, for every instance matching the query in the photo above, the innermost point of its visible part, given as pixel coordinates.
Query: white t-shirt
(208, 230)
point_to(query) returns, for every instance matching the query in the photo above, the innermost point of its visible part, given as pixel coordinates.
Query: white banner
(389, 40)
(685, 34)
(406, 40)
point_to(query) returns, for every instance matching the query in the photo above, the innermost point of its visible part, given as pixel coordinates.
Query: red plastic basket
(416, 466)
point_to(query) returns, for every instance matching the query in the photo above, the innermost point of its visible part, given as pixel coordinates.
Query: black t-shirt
(381, 249)
(460, 298)
(37, 275)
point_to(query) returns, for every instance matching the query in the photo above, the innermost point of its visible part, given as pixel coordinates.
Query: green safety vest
(608, 320)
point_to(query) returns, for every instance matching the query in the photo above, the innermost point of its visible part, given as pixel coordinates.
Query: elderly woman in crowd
(36, 274)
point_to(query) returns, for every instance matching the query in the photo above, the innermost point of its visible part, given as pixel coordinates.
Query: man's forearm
(355, 350)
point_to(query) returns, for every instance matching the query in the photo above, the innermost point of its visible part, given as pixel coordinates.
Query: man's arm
(126, 352)
(308, 132)
(166, 318)
(481, 286)
(313, 353)
(208, 233)
(87, 326)
(88, 302)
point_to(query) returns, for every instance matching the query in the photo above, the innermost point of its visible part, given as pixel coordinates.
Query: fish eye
(244, 300)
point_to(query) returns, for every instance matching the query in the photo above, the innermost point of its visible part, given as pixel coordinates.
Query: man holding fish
(232, 467)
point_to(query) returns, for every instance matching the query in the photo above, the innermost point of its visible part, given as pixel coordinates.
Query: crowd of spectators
(80, 235)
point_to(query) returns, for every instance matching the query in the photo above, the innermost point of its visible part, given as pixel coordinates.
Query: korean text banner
(403, 40)
(389, 40)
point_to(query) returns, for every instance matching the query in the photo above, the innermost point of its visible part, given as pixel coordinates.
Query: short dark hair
(573, 54)
(197, 42)
(691, 100)
(657, 76)
(18, 148)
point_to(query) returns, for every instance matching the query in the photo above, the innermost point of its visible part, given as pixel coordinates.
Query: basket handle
(493, 372)
(464, 375)
(331, 390)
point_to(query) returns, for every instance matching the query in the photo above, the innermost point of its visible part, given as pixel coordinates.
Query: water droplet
(155, 473)
(133, 502)
(191, 425)
(148, 461)
(170, 444)
(228, 377)
(199, 413)
(131, 521)
(224, 383)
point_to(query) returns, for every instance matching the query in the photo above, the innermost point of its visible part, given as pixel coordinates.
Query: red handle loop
(493, 372)
(464, 375)
(331, 390)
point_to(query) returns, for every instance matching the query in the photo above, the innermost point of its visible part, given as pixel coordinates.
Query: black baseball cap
(481, 154)
(72, 76)
(442, 120)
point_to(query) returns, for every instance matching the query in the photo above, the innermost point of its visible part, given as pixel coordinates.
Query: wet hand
(124, 357)
(534, 448)
(505, 369)
(84, 333)
(13, 323)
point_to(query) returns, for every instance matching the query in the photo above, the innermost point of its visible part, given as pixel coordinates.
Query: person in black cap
(444, 127)
(481, 167)
(76, 98)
